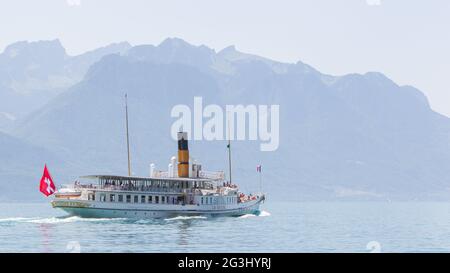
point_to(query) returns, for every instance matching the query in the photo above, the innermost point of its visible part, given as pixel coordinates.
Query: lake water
(281, 227)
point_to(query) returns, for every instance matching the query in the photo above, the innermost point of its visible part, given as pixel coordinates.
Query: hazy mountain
(21, 165)
(31, 73)
(349, 137)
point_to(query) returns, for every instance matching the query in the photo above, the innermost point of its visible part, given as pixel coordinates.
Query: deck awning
(141, 178)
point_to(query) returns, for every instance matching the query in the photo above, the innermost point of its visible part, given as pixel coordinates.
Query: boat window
(120, 198)
(102, 197)
(142, 198)
(156, 199)
(128, 198)
(163, 200)
(149, 198)
(112, 198)
(136, 199)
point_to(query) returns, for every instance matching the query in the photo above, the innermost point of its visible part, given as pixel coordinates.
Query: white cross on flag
(47, 187)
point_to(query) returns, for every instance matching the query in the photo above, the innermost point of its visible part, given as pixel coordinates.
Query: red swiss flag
(47, 186)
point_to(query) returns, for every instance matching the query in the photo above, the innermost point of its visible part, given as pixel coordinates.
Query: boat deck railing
(135, 189)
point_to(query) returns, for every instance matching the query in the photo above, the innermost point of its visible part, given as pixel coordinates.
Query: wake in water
(56, 220)
(262, 213)
(185, 218)
(145, 221)
(71, 219)
(75, 219)
(15, 219)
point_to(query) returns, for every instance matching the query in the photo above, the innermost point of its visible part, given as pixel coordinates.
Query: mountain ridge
(357, 136)
(31, 73)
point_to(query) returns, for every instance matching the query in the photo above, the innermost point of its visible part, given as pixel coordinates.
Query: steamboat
(183, 190)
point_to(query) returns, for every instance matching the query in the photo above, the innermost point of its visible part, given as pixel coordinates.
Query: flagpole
(128, 138)
(260, 179)
(229, 151)
(259, 170)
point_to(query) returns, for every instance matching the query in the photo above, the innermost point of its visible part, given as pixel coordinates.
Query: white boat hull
(142, 211)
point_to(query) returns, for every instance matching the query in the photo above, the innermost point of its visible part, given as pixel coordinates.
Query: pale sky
(408, 40)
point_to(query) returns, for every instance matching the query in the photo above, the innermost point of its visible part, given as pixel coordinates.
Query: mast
(128, 138)
(229, 151)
